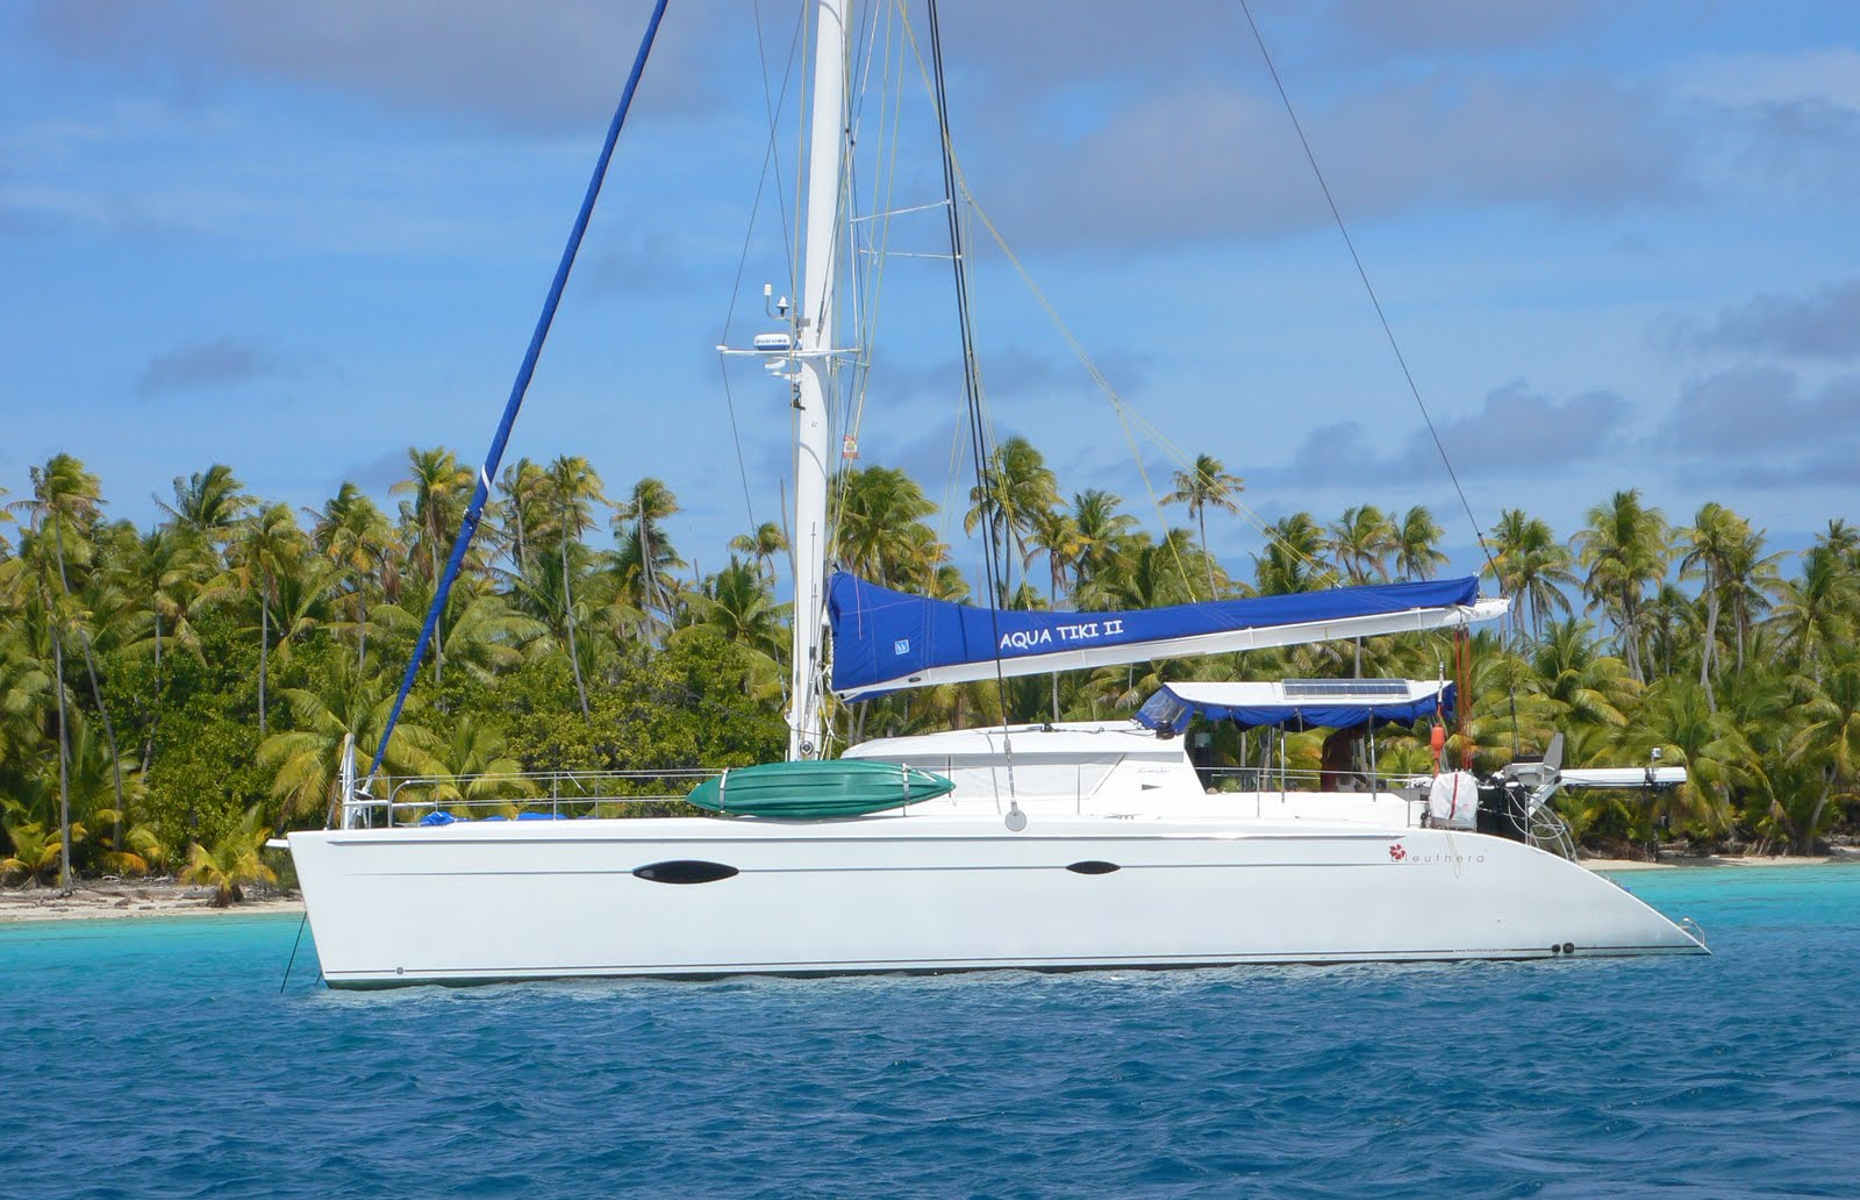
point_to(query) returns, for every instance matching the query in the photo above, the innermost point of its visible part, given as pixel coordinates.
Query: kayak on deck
(832, 788)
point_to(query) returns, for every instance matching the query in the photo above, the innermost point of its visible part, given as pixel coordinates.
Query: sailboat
(1052, 846)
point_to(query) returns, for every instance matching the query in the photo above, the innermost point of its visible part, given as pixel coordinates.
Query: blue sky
(1617, 242)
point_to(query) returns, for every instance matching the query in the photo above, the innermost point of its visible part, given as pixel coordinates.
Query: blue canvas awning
(884, 640)
(1298, 703)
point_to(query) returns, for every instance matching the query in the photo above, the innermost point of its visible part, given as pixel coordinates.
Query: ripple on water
(162, 1060)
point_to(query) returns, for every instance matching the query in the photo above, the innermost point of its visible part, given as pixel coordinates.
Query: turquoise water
(157, 1058)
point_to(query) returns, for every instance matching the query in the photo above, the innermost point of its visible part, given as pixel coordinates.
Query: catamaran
(1053, 846)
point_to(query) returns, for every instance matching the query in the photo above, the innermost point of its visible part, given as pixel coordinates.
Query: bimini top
(1299, 703)
(884, 640)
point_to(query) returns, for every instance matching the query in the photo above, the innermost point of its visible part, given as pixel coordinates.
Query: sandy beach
(132, 898)
(1678, 862)
(165, 898)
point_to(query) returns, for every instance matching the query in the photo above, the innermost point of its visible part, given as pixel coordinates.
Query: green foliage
(35, 852)
(233, 650)
(235, 860)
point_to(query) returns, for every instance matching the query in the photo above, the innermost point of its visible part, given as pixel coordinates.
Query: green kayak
(846, 787)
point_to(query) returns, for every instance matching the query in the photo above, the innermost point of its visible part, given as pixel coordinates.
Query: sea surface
(158, 1058)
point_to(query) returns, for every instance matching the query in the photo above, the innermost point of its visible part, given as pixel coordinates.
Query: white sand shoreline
(1677, 862)
(90, 900)
(115, 899)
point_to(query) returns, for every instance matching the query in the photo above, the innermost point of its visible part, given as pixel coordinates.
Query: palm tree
(1145, 575)
(523, 508)
(208, 505)
(1815, 611)
(488, 638)
(1674, 717)
(1098, 529)
(1206, 485)
(1531, 566)
(1585, 686)
(736, 601)
(1829, 741)
(441, 489)
(354, 535)
(64, 495)
(1416, 545)
(1624, 549)
(1842, 538)
(1709, 546)
(572, 489)
(25, 692)
(34, 851)
(233, 862)
(645, 552)
(475, 772)
(1019, 486)
(267, 543)
(880, 533)
(166, 571)
(1361, 541)
(762, 546)
(1291, 560)
(334, 711)
(1056, 533)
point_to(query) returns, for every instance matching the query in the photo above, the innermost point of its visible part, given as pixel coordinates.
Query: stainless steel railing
(555, 794)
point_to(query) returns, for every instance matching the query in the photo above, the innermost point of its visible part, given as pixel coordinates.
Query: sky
(1617, 244)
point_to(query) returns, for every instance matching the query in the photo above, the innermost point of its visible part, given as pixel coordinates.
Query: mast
(814, 320)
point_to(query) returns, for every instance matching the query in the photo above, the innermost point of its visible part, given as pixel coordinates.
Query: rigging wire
(867, 286)
(1132, 421)
(1363, 274)
(772, 108)
(755, 207)
(1485, 551)
(972, 388)
(1124, 415)
(481, 490)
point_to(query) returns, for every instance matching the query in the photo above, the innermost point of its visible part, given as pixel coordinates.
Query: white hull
(534, 900)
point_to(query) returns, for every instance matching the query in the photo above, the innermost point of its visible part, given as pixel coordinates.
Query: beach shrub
(234, 860)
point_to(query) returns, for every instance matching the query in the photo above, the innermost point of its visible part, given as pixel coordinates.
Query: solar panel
(1353, 689)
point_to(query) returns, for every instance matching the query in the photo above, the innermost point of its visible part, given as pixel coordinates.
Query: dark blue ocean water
(152, 1058)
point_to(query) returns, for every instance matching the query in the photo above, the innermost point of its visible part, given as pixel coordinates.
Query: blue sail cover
(884, 640)
(1264, 704)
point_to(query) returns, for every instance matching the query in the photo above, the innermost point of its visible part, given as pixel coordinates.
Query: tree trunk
(109, 734)
(568, 615)
(90, 668)
(1711, 643)
(148, 741)
(432, 557)
(516, 509)
(1805, 837)
(647, 584)
(1201, 518)
(64, 794)
(264, 651)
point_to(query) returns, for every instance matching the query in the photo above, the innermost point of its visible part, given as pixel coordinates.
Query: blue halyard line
(482, 490)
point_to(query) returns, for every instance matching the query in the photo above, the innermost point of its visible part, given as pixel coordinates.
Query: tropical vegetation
(172, 695)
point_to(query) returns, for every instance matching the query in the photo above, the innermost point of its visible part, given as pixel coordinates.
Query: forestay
(884, 640)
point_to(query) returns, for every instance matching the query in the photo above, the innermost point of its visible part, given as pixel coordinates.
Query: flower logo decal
(1397, 853)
